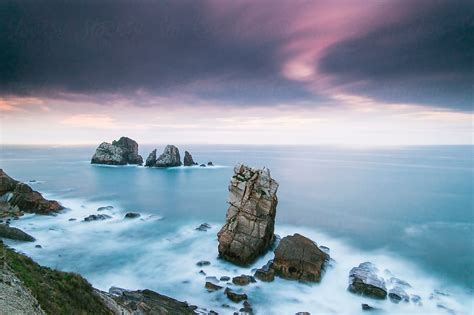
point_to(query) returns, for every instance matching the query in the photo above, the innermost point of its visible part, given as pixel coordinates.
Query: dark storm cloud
(90, 46)
(426, 57)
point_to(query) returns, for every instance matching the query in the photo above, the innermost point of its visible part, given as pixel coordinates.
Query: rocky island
(120, 152)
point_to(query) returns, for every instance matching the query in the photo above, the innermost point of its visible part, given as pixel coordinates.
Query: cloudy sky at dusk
(301, 72)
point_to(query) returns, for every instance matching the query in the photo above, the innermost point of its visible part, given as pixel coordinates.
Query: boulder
(188, 159)
(22, 197)
(119, 152)
(299, 258)
(266, 273)
(248, 230)
(15, 234)
(234, 296)
(151, 159)
(363, 280)
(211, 286)
(170, 157)
(243, 280)
(96, 217)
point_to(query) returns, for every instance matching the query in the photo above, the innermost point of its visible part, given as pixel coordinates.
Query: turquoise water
(409, 209)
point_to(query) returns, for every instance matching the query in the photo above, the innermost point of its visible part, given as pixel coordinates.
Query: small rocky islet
(248, 233)
(125, 152)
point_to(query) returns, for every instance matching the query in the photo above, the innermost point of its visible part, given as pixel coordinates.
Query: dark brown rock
(299, 258)
(243, 280)
(234, 296)
(250, 219)
(211, 286)
(266, 273)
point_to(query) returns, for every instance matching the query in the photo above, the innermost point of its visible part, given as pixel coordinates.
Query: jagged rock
(266, 273)
(170, 157)
(397, 294)
(132, 215)
(151, 159)
(299, 258)
(22, 197)
(188, 159)
(234, 296)
(250, 219)
(96, 217)
(364, 280)
(121, 152)
(243, 280)
(211, 286)
(143, 302)
(15, 234)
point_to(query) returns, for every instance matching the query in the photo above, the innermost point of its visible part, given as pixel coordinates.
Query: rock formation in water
(188, 159)
(121, 152)
(250, 219)
(170, 157)
(15, 234)
(22, 197)
(364, 280)
(151, 159)
(299, 258)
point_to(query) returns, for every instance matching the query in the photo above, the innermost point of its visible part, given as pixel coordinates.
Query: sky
(374, 72)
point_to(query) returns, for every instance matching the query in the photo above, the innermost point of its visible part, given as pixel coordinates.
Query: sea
(408, 209)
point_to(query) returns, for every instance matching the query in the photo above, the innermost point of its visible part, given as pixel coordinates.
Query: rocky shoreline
(247, 234)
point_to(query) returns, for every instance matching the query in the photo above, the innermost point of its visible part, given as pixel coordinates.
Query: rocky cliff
(17, 197)
(119, 152)
(248, 230)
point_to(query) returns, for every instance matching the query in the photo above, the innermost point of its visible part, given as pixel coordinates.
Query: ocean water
(409, 210)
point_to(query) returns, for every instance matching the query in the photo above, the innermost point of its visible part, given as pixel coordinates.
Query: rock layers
(299, 258)
(121, 152)
(250, 219)
(22, 197)
(170, 157)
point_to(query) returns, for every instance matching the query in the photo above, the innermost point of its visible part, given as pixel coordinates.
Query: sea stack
(170, 157)
(188, 159)
(250, 219)
(121, 152)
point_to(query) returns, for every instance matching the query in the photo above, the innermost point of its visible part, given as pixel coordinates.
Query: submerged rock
(202, 165)
(234, 296)
(15, 234)
(367, 307)
(416, 299)
(212, 287)
(250, 219)
(105, 208)
(97, 217)
(170, 157)
(299, 258)
(399, 282)
(363, 280)
(132, 215)
(397, 294)
(188, 159)
(119, 152)
(203, 263)
(21, 197)
(203, 227)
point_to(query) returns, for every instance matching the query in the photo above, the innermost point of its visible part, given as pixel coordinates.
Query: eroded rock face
(188, 159)
(299, 258)
(250, 219)
(119, 152)
(151, 159)
(169, 158)
(364, 280)
(21, 196)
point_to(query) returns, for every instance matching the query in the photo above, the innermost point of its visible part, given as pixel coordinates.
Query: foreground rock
(234, 296)
(22, 197)
(266, 273)
(15, 234)
(169, 158)
(299, 258)
(140, 302)
(250, 219)
(188, 159)
(121, 152)
(364, 280)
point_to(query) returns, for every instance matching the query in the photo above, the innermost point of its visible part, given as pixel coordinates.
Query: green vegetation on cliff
(57, 292)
